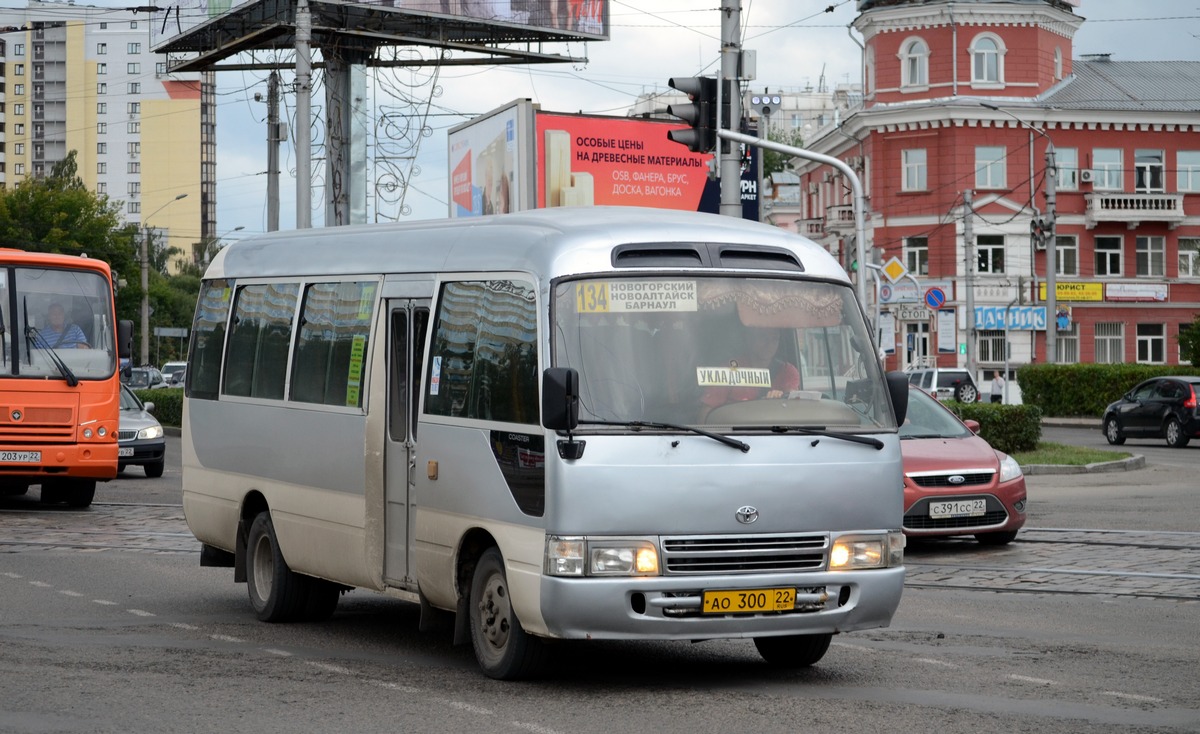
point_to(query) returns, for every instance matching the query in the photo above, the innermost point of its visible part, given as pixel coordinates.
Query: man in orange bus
(59, 333)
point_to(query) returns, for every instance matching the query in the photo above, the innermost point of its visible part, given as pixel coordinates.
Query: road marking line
(462, 706)
(105, 602)
(65, 592)
(397, 686)
(1131, 696)
(280, 653)
(41, 584)
(931, 661)
(330, 667)
(860, 648)
(141, 613)
(12, 575)
(226, 638)
(1027, 679)
(184, 626)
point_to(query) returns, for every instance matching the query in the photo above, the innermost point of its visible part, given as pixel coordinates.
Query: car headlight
(579, 556)
(1009, 468)
(151, 432)
(853, 552)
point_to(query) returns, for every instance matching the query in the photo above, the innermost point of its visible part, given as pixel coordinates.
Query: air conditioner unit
(812, 187)
(1087, 175)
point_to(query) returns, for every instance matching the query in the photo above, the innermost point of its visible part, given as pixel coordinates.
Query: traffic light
(700, 113)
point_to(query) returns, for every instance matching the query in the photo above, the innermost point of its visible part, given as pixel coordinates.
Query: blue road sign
(935, 298)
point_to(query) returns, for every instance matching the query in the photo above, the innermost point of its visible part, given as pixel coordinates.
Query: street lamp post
(1043, 229)
(145, 258)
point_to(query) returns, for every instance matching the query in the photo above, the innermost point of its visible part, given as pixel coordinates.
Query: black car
(1162, 407)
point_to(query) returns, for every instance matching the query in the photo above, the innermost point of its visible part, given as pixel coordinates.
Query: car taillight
(1190, 403)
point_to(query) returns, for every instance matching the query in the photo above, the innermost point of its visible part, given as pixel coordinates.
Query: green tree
(1189, 342)
(774, 162)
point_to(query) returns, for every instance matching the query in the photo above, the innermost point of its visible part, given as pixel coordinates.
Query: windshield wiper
(821, 431)
(31, 333)
(728, 441)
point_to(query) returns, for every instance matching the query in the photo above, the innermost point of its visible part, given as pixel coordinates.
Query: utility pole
(730, 86)
(1051, 257)
(273, 139)
(303, 115)
(970, 260)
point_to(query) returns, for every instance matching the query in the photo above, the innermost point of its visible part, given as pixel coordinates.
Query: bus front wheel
(502, 647)
(793, 651)
(276, 592)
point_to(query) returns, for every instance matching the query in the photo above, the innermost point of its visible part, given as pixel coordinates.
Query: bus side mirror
(560, 398)
(897, 383)
(125, 339)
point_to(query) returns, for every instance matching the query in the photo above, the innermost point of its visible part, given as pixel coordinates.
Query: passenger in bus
(58, 333)
(762, 345)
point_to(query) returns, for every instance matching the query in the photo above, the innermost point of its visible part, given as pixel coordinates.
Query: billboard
(488, 174)
(206, 25)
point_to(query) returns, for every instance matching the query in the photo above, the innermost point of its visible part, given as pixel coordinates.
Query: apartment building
(83, 78)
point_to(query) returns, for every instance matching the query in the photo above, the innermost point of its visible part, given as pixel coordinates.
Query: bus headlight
(853, 552)
(580, 556)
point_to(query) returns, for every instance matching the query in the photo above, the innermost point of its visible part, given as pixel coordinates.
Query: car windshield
(129, 401)
(139, 378)
(928, 419)
(745, 353)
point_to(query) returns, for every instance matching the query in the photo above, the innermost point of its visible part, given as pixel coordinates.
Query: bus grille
(734, 554)
(54, 425)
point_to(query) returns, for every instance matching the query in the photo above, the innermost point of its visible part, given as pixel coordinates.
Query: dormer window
(987, 60)
(914, 64)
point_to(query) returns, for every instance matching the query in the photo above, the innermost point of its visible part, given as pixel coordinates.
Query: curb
(1133, 462)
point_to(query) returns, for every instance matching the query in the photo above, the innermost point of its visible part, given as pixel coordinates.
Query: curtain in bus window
(331, 346)
(256, 358)
(208, 339)
(483, 363)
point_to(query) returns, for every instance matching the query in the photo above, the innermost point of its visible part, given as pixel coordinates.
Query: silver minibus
(565, 424)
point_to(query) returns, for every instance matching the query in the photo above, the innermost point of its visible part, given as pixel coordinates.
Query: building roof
(1162, 86)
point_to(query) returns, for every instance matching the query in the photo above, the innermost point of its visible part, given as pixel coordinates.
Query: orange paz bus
(60, 347)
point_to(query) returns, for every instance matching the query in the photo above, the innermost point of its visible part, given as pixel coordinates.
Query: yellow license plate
(749, 601)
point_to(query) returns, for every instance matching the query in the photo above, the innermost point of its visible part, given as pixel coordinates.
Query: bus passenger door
(408, 322)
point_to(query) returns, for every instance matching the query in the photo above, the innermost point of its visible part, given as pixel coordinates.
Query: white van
(559, 424)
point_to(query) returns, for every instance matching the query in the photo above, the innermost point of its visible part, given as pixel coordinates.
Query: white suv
(946, 383)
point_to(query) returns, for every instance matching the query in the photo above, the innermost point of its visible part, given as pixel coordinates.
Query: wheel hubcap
(264, 568)
(494, 611)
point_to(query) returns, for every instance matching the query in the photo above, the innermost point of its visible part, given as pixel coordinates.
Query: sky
(798, 43)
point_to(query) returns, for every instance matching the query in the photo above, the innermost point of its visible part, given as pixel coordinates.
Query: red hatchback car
(955, 483)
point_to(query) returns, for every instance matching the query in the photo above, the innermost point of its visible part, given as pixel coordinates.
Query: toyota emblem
(956, 479)
(746, 514)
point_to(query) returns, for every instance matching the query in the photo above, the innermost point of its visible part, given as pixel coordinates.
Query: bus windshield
(742, 353)
(54, 323)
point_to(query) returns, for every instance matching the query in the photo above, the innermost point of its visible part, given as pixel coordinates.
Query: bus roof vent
(660, 254)
(756, 257)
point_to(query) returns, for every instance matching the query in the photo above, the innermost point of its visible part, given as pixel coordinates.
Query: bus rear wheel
(277, 593)
(793, 651)
(502, 647)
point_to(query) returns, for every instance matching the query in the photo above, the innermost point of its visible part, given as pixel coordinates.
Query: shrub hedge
(168, 404)
(1008, 428)
(1067, 390)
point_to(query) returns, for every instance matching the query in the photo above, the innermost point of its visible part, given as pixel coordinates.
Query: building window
(914, 64)
(1188, 162)
(101, 68)
(102, 188)
(19, 149)
(18, 109)
(135, 148)
(102, 108)
(1066, 160)
(134, 107)
(1108, 256)
(135, 87)
(101, 88)
(135, 188)
(916, 255)
(991, 345)
(990, 249)
(18, 49)
(133, 27)
(134, 167)
(1150, 257)
(1058, 63)
(18, 89)
(134, 207)
(1149, 171)
(101, 128)
(101, 148)
(134, 48)
(990, 171)
(103, 26)
(914, 169)
(19, 128)
(18, 69)
(1183, 328)
(135, 127)
(1151, 343)
(1189, 257)
(101, 168)
(1066, 344)
(1110, 343)
(987, 60)
(1066, 253)
(1106, 162)
(19, 169)
(101, 49)
(133, 68)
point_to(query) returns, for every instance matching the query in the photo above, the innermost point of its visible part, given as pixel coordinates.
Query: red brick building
(962, 98)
